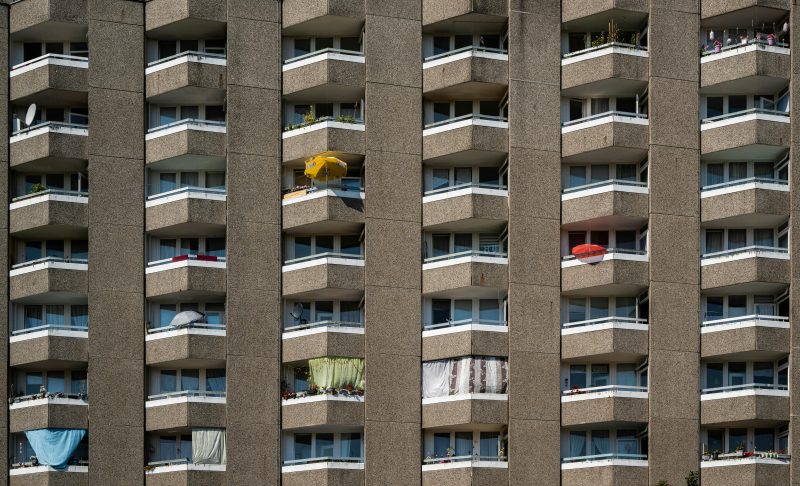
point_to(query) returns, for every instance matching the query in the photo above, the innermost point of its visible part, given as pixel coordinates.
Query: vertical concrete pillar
(116, 236)
(534, 162)
(4, 305)
(794, 243)
(674, 241)
(253, 239)
(393, 165)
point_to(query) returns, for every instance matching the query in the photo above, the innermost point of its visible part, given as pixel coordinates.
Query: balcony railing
(738, 45)
(327, 50)
(193, 325)
(170, 462)
(54, 126)
(471, 116)
(318, 324)
(190, 257)
(605, 46)
(604, 457)
(604, 320)
(312, 460)
(623, 114)
(340, 119)
(747, 180)
(601, 389)
(467, 185)
(469, 458)
(51, 259)
(31, 464)
(187, 394)
(464, 322)
(755, 249)
(749, 111)
(193, 56)
(84, 61)
(188, 190)
(50, 327)
(609, 251)
(330, 254)
(468, 253)
(50, 192)
(352, 184)
(747, 386)
(707, 457)
(753, 317)
(188, 121)
(47, 395)
(609, 182)
(472, 49)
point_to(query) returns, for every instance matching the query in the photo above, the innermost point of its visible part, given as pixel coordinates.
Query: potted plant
(309, 118)
(706, 456)
(771, 40)
(717, 46)
(37, 188)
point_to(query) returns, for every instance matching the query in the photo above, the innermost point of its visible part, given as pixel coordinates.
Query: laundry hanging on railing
(468, 374)
(336, 372)
(208, 446)
(54, 447)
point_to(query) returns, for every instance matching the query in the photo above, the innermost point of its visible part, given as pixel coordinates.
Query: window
(737, 103)
(599, 375)
(302, 445)
(215, 380)
(737, 171)
(600, 105)
(489, 310)
(575, 109)
(626, 105)
(577, 376)
(216, 46)
(54, 248)
(714, 375)
(737, 439)
(167, 115)
(31, 50)
(714, 106)
(600, 444)
(350, 44)
(714, 308)
(55, 382)
(215, 113)
(626, 240)
(714, 241)
(627, 442)
(351, 245)
(764, 439)
(737, 374)
(716, 440)
(737, 238)
(763, 373)
(463, 445)
(302, 47)
(715, 174)
(626, 374)
(168, 381)
(462, 108)
(763, 237)
(737, 305)
(598, 307)
(441, 442)
(625, 307)
(351, 445)
(32, 316)
(490, 444)
(78, 382)
(577, 444)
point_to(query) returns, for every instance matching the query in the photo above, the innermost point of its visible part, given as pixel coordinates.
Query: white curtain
(208, 446)
(436, 378)
(577, 444)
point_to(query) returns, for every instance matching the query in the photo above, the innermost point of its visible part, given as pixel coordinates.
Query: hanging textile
(208, 446)
(336, 372)
(436, 378)
(54, 447)
(469, 374)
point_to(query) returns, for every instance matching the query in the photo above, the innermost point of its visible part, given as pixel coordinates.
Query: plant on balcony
(717, 46)
(345, 119)
(693, 479)
(576, 390)
(739, 447)
(37, 188)
(599, 40)
(309, 118)
(771, 39)
(613, 31)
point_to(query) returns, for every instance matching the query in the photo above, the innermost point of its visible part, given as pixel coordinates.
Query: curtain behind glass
(336, 372)
(79, 316)
(600, 444)
(577, 444)
(208, 446)
(436, 378)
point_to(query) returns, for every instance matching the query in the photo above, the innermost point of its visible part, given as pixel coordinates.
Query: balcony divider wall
(794, 245)
(4, 314)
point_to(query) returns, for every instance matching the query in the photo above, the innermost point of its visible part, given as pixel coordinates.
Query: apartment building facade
(560, 252)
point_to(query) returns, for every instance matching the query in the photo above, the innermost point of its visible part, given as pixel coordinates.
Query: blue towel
(54, 447)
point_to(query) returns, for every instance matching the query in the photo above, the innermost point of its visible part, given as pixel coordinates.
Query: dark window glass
(737, 103)
(626, 105)
(714, 106)
(350, 44)
(441, 44)
(714, 375)
(323, 43)
(463, 41)
(31, 50)
(167, 48)
(189, 45)
(489, 108)
(441, 111)
(626, 240)
(463, 108)
(215, 113)
(302, 46)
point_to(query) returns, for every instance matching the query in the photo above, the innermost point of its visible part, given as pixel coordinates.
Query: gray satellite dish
(30, 114)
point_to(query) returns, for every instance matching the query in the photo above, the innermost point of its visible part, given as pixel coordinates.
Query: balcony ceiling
(52, 31)
(746, 17)
(328, 25)
(625, 19)
(473, 23)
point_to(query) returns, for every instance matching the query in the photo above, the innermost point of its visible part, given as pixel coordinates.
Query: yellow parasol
(325, 167)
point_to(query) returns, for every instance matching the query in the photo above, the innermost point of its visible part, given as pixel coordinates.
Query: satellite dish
(298, 311)
(30, 114)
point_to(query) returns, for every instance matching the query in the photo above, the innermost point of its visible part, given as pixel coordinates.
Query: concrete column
(534, 162)
(794, 244)
(4, 304)
(393, 174)
(674, 241)
(116, 236)
(253, 242)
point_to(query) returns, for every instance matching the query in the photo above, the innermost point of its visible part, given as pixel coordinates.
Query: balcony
(324, 276)
(446, 15)
(182, 472)
(29, 475)
(618, 271)
(470, 72)
(462, 338)
(323, 410)
(53, 411)
(605, 339)
(606, 137)
(760, 468)
(194, 277)
(752, 134)
(198, 341)
(49, 145)
(35, 20)
(605, 470)
(768, 10)
(609, 405)
(465, 139)
(186, 19)
(327, 471)
(323, 338)
(745, 202)
(189, 139)
(744, 405)
(323, 210)
(321, 17)
(59, 277)
(750, 269)
(747, 336)
(342, 137)
(476, 272)
(333, 75)
(47, 344)
(49, 214)
(465, 207)
(50, 80)
(187, 78)
(185, 409)
(188, 210)
(613, 69)
(611, 200)
(463, 409)
(465, 471)
(750, 67)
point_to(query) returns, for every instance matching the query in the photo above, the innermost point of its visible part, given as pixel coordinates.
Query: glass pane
(600, 443)
(302, 246)
(488, 175)
(440, 311)
(715, 174)
(215, 180)
(763, 170)
(600, 172)
(626, 374)
(627, 442)
(463, 175)
(302, 446)
(324, 446)
(165, 314)
(31, 50)
(54, 248)
(626, 105)
(323, 311)
(764, 237)
(215, 313)
(577, 310)
(322, 110)
(351, 245)
(323, 43)
(33, 250)
(577, 376)
(489, 310)
(302, 47)
(215, 380)
(627, 172)
(489, 108)
(737, 439)
(190, 380)
(462, 310)
(714, 106)
(300, 112)
(577, 444)
(54, 181)
(599, 375)
(79, 249)
(737, 374)
(167, 48)
(737, 103)
(190, 112)
(600, 105)
(598, 307)
(33, 383)
(626, 240)
(441, 111)
(441, 44)
(350, 44)
(462, 242)
(349, 312)
(190, 179)
(167, 381)
(575, 110)
(715, 440)
(737, 171)
(440, 179)
(33, 316)
(215, 247)
(441, 442)
(714, 241)
(55, 382)
(463, 444)
(54, 315)
(351, 445)
(625, 307)
(185, 450)
(463, 40)
(737, 305)
(763, 373)
(78, 382)
(323, 244)
(463, 108)
(600, 238)
(576, 238)
(190, 246)
(764, 439)
(714, 308)
(441, 245)
(167, 181)
(490, 444)
(167, 114)
(189, 45)
(216, 46)
(714, 375)
(167, 448)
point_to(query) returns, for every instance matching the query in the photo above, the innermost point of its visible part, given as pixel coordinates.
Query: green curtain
(336, 372)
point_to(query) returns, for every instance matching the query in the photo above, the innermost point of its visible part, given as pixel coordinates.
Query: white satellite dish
(30, 114)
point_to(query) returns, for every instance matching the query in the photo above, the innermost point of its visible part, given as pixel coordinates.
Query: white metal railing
(65, 57)
(170, 462)
(473, 49)
(327, 50)
(46, 192)
(603, 320)
(187, 121)
(469, 458)
(329, 254)
(199, 55)
(193, 325)
(608, 251)
(340, 119)
(187, 393)
(606, 388)
(604, 46)
(463, 322)
(746, 386)
(746, 180)
(471, 116)
(468, 253)
(327, 323)
(626, 114)
(50, 327)
(26, 464)
(749, 111)
(609, 182)
(466, 185)
(54, 125)
(604, 457)
(312, 460)
(48, 395)
(31, 263)
(342, 184)
(180, 258)
(741, 455)
(187, 189)
(737, 45)
(753, 317)
(745, 249)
